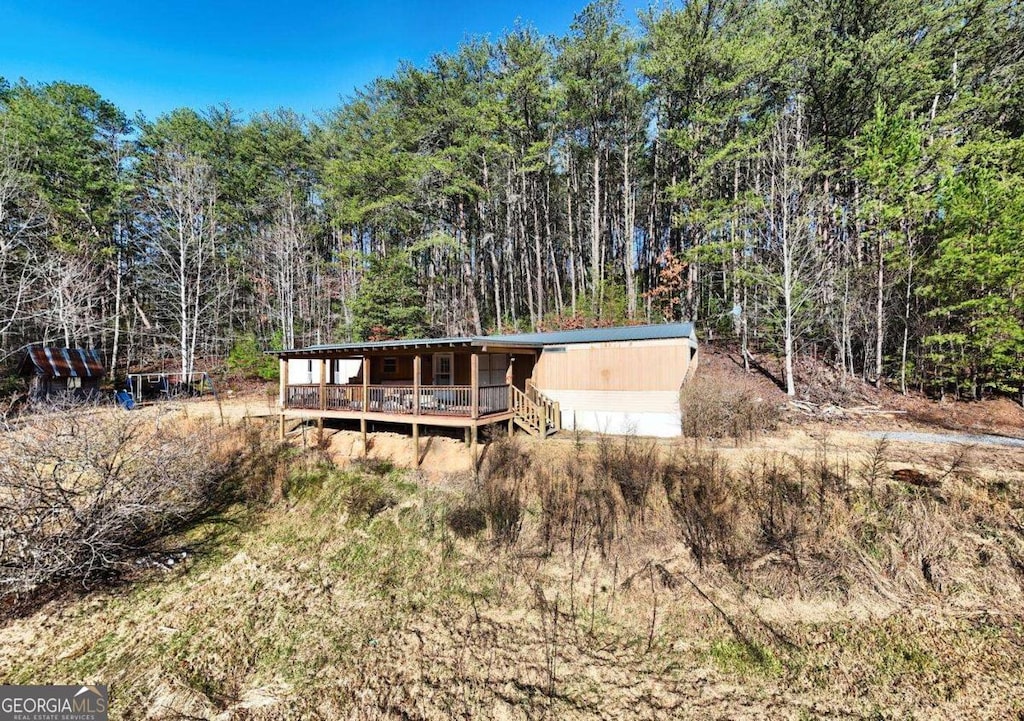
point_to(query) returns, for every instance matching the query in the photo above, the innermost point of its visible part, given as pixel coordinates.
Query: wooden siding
(654, 365)
(523, 365)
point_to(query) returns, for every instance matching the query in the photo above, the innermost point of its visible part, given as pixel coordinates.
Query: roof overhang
(496, 343)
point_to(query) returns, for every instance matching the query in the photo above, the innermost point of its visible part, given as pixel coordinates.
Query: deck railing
(302, 397)
(347, 397)
(399, 400)
(390, 399)
(493, 399)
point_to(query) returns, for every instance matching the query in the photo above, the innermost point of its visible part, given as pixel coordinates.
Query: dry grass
(637, 582)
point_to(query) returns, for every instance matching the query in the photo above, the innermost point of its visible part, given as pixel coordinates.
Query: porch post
(323, 384)
(416, 445)
(474, 378)
(366, 384)
(282, 396)
(366, 400)
(417, 364)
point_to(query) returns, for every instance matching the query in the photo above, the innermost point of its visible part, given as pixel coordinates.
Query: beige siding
(651, 365)
(644, 413)
(619, 401)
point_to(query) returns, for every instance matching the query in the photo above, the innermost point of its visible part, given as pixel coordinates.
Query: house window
(74, 383)
(390, 366)
(443, 366)
(492, 368)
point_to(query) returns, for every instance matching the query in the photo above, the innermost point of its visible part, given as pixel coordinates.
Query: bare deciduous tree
(181, 231)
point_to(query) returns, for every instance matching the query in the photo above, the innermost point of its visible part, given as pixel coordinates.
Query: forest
(842, 180)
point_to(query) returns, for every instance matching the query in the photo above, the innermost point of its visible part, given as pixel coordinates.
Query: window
(390, 366)
(74, 383)
(443, 363)
(492, 368)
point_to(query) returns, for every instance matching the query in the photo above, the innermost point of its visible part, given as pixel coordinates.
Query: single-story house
(613, 380)
(74, 372)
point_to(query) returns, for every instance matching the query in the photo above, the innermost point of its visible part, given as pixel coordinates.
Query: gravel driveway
(968, 438)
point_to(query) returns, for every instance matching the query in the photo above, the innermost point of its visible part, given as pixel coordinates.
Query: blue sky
(257, 55)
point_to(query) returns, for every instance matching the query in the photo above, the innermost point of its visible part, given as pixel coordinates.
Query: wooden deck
(422, 419)
(449, 405)
(468, 407)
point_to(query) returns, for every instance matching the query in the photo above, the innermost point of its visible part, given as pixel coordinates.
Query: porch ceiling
(393, 347)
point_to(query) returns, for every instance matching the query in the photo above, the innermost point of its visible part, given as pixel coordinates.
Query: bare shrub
(262, 461)
(502, 490)
(578, 504)
(367, 496)
(632, 465)
(504, 509)
(559, 504)
(701, 495)
(960, 464)
(779, 499)
(466, 521)
(507, 460)
(81, 495)
(711, 409)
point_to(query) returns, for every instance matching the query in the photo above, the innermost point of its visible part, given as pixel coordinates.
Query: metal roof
(520, 340)
(63, 363)
(591, 335)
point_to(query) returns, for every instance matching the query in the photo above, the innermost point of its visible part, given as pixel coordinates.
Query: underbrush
(557, 586)
(823, 526)
(714, 408)
(85, 498)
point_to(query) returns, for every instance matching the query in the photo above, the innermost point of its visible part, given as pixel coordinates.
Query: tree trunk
(595, 232)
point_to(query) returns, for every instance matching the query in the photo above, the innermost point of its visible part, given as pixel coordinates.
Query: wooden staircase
(535, 413)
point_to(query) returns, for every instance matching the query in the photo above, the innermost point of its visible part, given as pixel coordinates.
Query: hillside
(801, 574)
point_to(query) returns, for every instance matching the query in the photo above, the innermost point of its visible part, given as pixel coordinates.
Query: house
(613, 380)
(68, 372)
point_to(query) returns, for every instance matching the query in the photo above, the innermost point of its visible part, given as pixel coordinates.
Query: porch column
(366, 384)
(416, 445)
(282, 397)
(417, 364)
(282, 394)
(323, 384)
(474, 379)
(366, 400)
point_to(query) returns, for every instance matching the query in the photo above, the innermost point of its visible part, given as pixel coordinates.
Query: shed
(75, 372)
